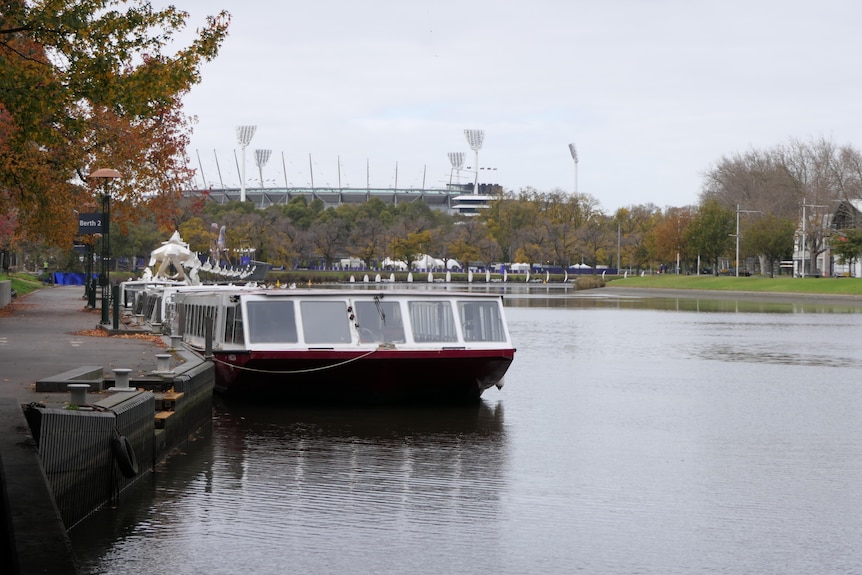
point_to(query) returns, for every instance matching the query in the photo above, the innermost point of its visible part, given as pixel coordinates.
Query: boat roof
(336, 292)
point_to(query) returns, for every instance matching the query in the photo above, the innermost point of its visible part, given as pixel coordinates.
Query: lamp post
(574, 151)
(244, 134)
(475, 139)
(105, 175)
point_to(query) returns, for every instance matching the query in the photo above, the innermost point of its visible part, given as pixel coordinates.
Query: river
(633, 435)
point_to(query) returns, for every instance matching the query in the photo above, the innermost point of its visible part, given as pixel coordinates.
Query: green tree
(772, 237)
(847, 245)
(710, 232)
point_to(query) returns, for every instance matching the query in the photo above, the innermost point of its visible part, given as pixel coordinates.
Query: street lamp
(261, 157)
(738, 211)
(475, 138)
(106, 175)
(244, 134)
(574, 151)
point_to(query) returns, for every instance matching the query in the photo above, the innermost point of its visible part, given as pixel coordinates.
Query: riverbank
(44, 486)
(752, 284)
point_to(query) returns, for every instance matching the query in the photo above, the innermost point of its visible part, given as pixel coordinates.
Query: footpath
(51, 331)
(42, 334)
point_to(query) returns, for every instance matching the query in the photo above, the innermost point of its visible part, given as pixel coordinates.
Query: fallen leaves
(152, 338)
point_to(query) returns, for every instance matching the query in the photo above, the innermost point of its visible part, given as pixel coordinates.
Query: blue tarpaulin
(69, 279)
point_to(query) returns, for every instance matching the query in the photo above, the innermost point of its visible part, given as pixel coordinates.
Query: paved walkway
(41, 335)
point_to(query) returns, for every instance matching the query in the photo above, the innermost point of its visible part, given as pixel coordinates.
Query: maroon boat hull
(381, 375)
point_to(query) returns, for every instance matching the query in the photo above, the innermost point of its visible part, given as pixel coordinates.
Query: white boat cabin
(333, 319)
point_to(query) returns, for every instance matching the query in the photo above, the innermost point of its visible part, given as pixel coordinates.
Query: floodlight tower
(574, 151)
(261, 157)
(244, 134)
(475, 138)
(457, 161)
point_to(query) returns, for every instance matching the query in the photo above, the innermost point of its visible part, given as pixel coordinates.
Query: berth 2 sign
(89, 224)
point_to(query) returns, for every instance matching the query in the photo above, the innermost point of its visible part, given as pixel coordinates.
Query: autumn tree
(506, 217)
(411, 247)
(465, 245)
(634, 225)
(92, 84)
(595, 238)
(669, 238)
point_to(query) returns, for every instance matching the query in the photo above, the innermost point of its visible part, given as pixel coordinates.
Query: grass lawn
(23, 283)
(837, 286)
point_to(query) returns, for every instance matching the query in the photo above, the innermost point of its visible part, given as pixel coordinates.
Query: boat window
(233, 324)
(432, 321)
(481, 321)
(379, 321)
(325, 321)
(271, 321)
(192, 317)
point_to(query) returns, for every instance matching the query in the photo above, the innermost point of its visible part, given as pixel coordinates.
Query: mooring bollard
(163, 362)
(79, 393)
(176, 340)
(121, 377)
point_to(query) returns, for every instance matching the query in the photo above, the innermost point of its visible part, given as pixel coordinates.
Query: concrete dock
(43, 334)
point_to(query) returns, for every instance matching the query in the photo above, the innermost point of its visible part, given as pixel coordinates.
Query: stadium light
(244, 134)
(457, 161)
(261, 157)
(574, 151)
(475, 138)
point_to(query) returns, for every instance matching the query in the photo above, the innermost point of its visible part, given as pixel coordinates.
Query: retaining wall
(75, 445)
(5, 293)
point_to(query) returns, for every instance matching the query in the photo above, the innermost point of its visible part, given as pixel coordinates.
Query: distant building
(848, 216)
(443, 199)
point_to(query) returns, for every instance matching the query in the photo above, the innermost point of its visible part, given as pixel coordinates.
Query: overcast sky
(652, 92)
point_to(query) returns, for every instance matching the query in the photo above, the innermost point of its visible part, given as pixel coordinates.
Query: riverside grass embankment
(754, 287)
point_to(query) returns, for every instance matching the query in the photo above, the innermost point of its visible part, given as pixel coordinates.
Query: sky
(653, 93)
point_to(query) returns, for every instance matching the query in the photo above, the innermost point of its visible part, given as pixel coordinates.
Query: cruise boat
(351, 345)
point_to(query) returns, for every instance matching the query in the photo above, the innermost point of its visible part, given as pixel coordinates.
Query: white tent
(396, 264)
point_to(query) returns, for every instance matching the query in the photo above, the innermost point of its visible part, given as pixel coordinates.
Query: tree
(771, 236)
(595, 238)
(710, 232)
(92, 84)
(410, 248)
(368, 240)
(847, 245)
(328, 238)
(669, 238)
(465, 245)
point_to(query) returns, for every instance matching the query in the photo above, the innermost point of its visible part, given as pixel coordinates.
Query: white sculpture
(171, 260)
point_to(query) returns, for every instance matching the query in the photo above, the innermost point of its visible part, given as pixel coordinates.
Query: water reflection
(293, 484)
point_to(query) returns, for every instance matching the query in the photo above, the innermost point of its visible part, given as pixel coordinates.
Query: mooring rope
(289, 372)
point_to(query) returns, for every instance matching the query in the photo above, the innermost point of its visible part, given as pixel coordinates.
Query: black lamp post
(106, 174)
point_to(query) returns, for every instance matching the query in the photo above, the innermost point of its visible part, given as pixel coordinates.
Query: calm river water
(633, 435)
